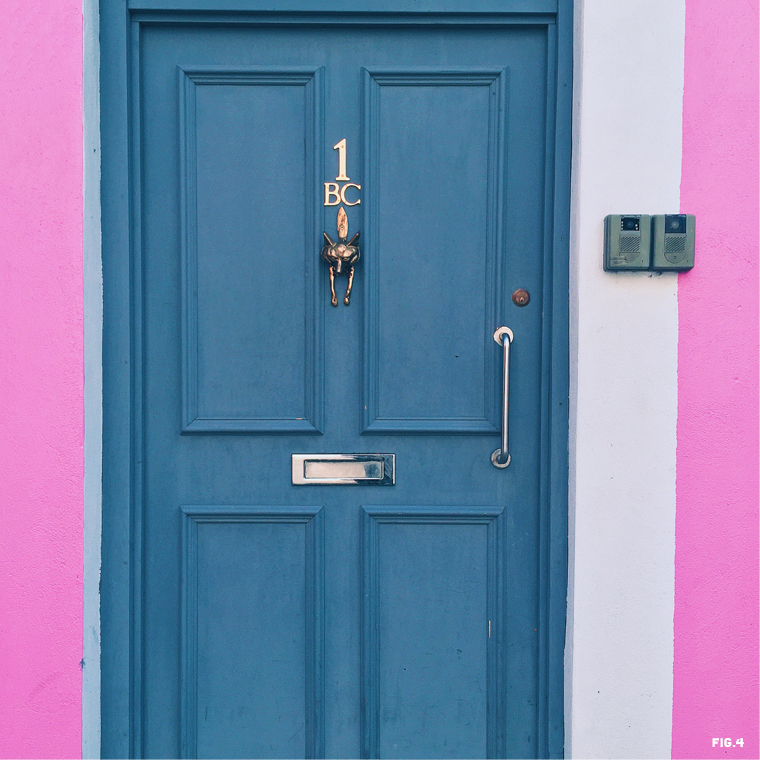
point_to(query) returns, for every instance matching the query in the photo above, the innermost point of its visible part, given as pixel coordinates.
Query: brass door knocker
(341, 256)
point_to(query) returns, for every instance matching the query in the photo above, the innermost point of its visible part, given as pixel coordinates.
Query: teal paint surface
(245, 616)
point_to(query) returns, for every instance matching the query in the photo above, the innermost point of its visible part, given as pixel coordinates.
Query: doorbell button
(673, 238)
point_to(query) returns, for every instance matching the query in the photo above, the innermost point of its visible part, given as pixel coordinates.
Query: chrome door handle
(501, 457)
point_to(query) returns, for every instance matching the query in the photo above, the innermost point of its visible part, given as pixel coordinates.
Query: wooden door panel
(252, 613)
(251, 150)
(434, 146)
(433, 613)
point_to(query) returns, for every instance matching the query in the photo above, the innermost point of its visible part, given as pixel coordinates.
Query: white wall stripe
(93, 383)
(624, 339)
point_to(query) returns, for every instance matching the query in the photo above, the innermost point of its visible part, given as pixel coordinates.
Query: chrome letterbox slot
(343, 469)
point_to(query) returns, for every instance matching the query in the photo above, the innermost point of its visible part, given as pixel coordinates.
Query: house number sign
(335, 192)
(341, 254)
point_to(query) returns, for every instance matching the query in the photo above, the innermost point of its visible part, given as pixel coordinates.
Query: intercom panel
(673, 242)
(627, 242)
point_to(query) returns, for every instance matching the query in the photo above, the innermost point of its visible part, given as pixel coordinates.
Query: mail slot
(343, 469)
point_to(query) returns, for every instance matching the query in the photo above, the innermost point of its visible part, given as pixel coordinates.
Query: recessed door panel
(252, 331)
(434, 223)
(432, 613)
(252, 611)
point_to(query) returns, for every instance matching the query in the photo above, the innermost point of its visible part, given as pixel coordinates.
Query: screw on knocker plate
(341, 256)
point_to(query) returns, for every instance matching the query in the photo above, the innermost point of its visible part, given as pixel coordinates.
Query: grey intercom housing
(627, 242)
(673, 242)
(638, 242)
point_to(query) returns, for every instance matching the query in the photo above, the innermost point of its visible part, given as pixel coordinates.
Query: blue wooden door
(282, 620)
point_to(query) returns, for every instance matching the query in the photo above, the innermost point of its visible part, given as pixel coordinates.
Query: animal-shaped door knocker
(341, 256)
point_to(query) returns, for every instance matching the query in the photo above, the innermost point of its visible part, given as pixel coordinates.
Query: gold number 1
(341, 148)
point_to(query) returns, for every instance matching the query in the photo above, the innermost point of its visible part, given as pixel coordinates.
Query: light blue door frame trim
(93, 381)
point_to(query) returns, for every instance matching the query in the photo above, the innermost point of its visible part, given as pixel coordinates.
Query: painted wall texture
(41, 378)
(624, 384)
(715, 674)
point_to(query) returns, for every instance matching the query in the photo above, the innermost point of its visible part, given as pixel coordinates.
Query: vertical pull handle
(501, 457)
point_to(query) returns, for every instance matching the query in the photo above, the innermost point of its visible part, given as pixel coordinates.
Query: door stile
(554, 480)
(137, 533)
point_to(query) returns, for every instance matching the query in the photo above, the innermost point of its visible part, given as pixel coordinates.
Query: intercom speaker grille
(675, 244)
(630, 243)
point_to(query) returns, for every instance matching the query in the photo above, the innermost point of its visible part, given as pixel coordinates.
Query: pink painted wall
(41, 378)
(715, 690)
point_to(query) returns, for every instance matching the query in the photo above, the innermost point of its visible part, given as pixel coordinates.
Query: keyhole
(521, 297)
